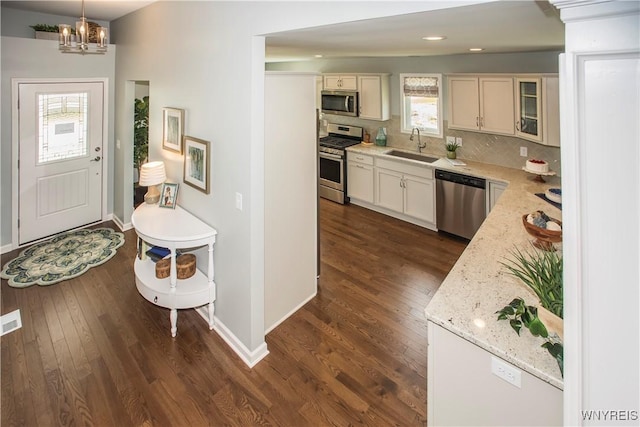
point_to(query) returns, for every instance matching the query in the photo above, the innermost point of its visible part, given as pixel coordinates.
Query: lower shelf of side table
(188, 293)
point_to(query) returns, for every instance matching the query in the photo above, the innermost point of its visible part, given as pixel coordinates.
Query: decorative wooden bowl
(544, 239)
(185, 266)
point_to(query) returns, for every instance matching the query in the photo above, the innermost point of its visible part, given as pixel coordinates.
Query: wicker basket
(163, 268)
(185, 266)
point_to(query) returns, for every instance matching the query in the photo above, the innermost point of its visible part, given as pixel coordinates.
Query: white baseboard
(286, 316)
(6, 248)
(121, 225)
(250, 358)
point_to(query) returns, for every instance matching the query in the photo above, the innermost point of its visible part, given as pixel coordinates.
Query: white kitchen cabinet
(417, 202)
(406, 189)
(389, 190)
(360, 177)
(551, 111)
(374, 97)
(483, 104)
(495, 191)
(340, 82)
(529, 109)
(459, 375)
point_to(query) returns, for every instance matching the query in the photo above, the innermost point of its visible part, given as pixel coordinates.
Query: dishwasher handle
(457, 178)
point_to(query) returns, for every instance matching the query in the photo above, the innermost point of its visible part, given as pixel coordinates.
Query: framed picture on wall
(196, 163)
(168, 195)
(172, 125)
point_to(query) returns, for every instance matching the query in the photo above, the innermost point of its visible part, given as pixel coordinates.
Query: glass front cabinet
(529, 109)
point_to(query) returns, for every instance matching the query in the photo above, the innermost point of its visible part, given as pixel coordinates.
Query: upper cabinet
(374, 96)
(523, 106)
(373, 92)
(481, 104)
(529, 108)
(340, 82)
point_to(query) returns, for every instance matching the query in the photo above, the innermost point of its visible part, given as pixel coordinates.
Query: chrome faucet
(421, 145)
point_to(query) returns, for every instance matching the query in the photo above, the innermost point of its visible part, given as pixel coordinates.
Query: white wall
(291, 194)
(207, 60)
(600, 106)
(17, 22)
(31, 58)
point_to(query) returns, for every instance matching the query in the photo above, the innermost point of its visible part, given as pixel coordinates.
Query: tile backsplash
(480, 147)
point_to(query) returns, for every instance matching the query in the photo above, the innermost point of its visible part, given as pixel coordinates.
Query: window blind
(421, 86)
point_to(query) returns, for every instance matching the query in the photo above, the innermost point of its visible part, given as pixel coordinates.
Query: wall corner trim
(250, 358)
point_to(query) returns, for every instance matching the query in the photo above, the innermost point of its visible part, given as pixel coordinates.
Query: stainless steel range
(333, 160)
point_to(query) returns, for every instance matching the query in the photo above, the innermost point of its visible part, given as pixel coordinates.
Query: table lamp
(152, 174)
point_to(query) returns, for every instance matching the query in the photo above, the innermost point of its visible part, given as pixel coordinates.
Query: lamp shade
(152, 173)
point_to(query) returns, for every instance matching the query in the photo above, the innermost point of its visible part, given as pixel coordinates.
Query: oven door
(332, 171)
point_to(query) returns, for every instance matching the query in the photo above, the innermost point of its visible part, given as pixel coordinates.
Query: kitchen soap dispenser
(381, 138)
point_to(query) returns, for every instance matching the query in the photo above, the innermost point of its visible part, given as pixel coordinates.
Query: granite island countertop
(478, 286)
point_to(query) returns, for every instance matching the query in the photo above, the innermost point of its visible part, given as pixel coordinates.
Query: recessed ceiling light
(434, 38)
(476, 49)
(318, 56)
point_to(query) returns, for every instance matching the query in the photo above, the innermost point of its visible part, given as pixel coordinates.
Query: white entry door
(60, 157)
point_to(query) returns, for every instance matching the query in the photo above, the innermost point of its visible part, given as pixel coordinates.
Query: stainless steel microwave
(344, 103)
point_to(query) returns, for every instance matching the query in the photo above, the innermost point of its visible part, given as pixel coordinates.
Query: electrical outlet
(451, 140)
(459, 141)
(523, 152)
(239, 201)
(507, 372)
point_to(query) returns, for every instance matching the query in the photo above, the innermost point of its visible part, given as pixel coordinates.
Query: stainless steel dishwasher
(461, 203)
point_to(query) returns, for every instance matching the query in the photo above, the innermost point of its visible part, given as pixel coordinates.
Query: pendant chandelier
(88, 38)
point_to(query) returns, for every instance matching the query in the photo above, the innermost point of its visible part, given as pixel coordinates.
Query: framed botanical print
(168, 195)
(172, 125)
(196, 163)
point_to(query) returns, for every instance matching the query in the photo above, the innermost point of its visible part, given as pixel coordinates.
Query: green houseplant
(451, 149)
(140, 131)
(541, 271)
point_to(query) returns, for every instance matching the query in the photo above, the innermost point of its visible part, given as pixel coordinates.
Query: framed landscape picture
(168, 195)
(196, 163)
(172, 124)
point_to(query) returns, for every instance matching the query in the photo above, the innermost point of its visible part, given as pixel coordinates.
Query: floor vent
(10, 322)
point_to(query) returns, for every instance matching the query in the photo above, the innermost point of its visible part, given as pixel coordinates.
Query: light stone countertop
(478, 286)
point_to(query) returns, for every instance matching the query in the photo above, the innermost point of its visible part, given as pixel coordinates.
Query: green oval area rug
(62, 257)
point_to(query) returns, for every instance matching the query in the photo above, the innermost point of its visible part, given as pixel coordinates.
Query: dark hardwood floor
(92, 351)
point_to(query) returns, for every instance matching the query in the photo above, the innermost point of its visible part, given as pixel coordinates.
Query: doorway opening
(140, 136)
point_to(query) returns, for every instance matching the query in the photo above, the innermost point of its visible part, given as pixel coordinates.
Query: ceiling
(497, 27)
(100, 10)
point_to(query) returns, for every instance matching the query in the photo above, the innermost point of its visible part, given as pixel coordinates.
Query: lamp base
(152, 196)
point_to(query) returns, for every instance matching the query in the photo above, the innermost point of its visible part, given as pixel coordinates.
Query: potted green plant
(140, 132)
(541, 271)
(451, 149)
(519, 314)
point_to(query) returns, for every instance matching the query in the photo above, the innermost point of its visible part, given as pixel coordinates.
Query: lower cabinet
(400, 189)
(405, 194)
(495, 191)
(360, 177)
(462, 390)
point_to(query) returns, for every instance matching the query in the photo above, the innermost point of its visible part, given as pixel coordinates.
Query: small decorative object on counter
(546, 230)
(381, 138)
(451, 149)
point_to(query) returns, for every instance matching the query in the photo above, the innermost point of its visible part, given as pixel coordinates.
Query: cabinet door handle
(518, 125)
(360, 166)
(477, 121)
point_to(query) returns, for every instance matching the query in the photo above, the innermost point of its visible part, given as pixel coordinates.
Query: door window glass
(62, 126)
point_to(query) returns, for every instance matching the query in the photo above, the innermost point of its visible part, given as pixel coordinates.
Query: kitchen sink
(412, 156)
